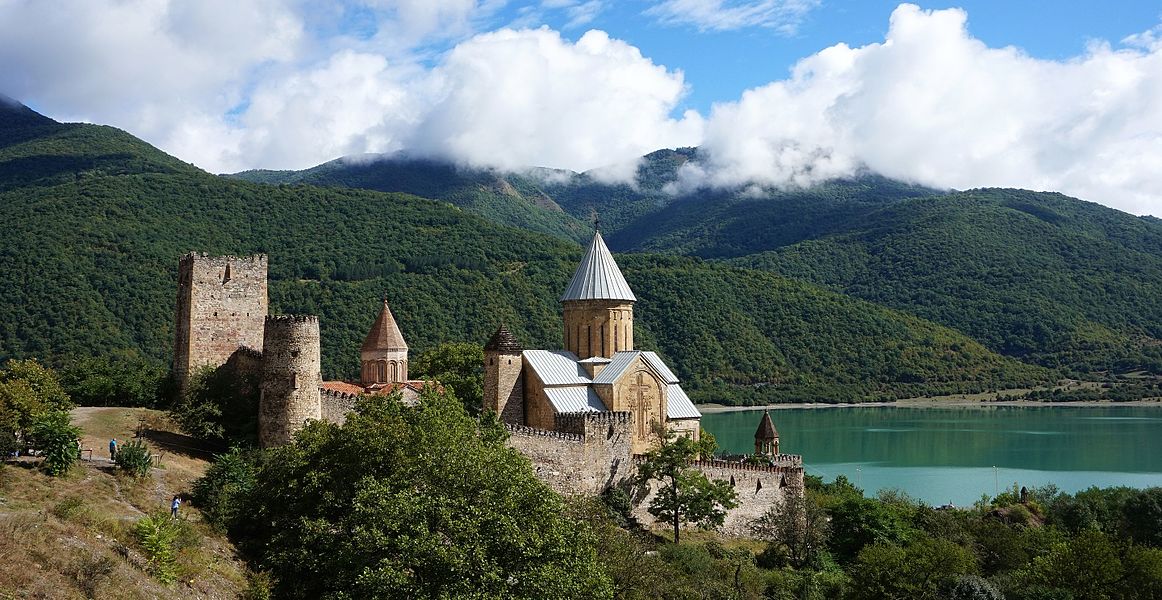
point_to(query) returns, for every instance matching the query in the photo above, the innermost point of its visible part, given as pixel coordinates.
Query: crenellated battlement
(523, 430)
(593, 423)
(292, 319)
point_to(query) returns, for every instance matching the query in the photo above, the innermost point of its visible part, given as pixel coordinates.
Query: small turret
(766, 437)
(503, 377)
(384, 354)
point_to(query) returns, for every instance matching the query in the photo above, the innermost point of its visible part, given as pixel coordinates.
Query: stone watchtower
(598, 306)
(384, 355)
(503, 377)
(766, 437)
(291, 375)
(221, 305)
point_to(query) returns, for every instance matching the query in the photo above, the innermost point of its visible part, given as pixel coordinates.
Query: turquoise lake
(942, 455)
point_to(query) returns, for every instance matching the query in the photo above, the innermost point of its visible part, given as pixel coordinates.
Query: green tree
(457, 365)
(220, 493)
(404, 502)
(28, 390)
(684, 495)
(220, 405)
(796, 531)
(923, 569)
(55, 437)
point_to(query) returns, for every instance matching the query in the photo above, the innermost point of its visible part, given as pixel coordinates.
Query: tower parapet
(291, 376)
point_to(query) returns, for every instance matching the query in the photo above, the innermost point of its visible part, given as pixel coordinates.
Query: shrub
(134, 458)
(221, 491)
(157, 534)
(54, 435)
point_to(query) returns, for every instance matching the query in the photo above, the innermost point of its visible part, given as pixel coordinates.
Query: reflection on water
(942, 454)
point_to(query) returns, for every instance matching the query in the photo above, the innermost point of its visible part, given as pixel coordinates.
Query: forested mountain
(1042, 277)
(88, 266)
(506, 198)
(1035, 275)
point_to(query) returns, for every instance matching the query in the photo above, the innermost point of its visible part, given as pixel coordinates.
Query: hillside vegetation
(90, 268)
(1042, 277)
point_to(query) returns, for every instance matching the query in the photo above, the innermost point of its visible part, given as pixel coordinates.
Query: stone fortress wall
(221, 307)
(291, 377)
(591, 452)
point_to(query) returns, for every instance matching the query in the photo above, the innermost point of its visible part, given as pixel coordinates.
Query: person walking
(113, 450)
(173, 506)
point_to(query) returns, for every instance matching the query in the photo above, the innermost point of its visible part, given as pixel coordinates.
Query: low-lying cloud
(933, 105)
(231, 86)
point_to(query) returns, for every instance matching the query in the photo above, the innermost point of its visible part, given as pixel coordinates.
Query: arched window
(382, 372)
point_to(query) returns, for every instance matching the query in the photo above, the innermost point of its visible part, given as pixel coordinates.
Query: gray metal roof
(660, 366)
(617, 366)
(622, 360)
(572, 399)
(556, 367)
(678, 404)
(597, 277)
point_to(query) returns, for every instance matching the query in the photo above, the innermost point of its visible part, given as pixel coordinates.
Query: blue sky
(1041, 95)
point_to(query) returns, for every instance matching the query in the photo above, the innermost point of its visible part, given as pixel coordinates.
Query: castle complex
(584, 415)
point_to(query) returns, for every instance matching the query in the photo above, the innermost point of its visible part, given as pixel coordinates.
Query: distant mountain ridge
(96, 220)
(1042, 277)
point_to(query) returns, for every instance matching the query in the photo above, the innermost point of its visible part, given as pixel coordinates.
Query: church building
(598, 371)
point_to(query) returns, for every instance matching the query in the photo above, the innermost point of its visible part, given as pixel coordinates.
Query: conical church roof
(384, 334)
(766, 430)
(597, 277)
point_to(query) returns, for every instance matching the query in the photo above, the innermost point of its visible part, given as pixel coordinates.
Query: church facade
(597, 372)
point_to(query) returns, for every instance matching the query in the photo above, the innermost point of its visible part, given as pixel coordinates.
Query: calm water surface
(944, 455)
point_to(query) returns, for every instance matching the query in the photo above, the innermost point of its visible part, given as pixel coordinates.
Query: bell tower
(598, 306)
(384, 354)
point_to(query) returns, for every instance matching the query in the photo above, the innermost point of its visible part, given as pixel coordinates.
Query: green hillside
(1036, 275)
(505, 198)
(89, 268)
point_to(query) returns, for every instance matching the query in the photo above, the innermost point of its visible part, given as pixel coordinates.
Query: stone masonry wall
(576, 463)
(221, 304)
(758, 487)
(504, 386)
(336, 405)
(291, 376)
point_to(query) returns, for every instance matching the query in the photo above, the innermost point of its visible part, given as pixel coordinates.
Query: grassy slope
(90, 268)
(71, 537)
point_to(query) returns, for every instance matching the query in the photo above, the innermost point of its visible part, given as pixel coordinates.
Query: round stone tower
(291, 374)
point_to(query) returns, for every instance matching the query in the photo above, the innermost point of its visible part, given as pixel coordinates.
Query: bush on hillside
(54, 435)
(134, 458)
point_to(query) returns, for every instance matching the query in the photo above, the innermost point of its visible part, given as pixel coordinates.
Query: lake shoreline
(930, 403)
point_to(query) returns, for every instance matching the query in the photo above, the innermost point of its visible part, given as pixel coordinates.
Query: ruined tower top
(221, 304)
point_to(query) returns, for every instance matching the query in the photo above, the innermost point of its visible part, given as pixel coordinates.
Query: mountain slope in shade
(90, 267)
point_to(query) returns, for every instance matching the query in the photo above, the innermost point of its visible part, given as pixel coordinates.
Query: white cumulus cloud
(513, 99)
(933, 105)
